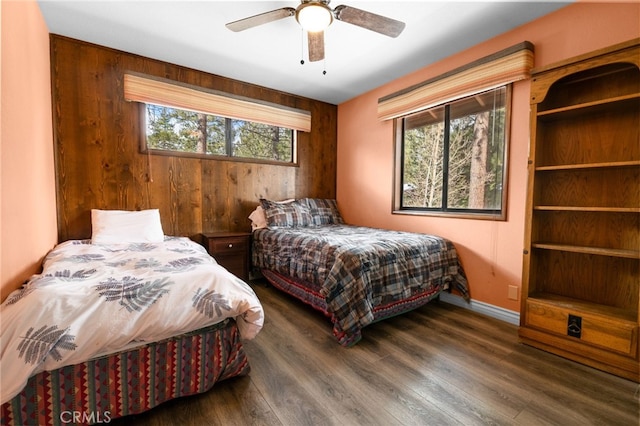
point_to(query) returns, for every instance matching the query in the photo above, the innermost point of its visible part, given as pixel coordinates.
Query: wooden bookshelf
(581, 273)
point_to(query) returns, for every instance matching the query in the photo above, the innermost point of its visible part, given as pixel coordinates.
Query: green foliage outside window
(171, 129)
(452, 157)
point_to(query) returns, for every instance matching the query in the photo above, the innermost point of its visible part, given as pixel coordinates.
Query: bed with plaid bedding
(358, 275)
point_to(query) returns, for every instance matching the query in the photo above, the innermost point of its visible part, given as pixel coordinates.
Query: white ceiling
(193, 34)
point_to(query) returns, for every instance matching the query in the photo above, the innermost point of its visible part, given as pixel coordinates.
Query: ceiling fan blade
(371, 21)
(262, 18)
(316, 45)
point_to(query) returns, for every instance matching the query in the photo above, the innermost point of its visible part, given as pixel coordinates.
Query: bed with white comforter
(95, 299)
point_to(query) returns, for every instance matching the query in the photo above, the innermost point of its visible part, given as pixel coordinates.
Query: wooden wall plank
(97, 136)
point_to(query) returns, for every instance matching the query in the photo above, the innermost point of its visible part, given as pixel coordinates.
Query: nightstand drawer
(228, 245)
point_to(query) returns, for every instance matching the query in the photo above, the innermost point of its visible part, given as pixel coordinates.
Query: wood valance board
(157, 91)
(511, 64)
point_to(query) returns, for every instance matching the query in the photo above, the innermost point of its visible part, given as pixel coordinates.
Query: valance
(509, 65)
(158, 91)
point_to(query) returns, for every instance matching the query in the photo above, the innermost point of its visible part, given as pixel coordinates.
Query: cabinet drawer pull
(230, 245)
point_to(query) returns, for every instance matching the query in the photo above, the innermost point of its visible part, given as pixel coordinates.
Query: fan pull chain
(324, 59)
(302, 40)
(301, 46)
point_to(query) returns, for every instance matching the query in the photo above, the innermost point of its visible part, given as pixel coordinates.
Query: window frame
(397, 192)
(144, 147)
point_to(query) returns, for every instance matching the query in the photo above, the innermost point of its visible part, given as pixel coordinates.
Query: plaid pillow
(286, 215)
(324, 211)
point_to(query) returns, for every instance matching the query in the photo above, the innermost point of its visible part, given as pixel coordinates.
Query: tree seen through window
(172, 129)
(452, 157)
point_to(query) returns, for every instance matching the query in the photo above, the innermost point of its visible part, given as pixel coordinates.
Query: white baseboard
(482, 308)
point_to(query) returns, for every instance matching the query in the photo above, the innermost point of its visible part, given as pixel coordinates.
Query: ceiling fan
(315, 16)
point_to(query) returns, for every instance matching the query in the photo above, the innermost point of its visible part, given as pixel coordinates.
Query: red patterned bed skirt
(311, 296)
(130, 382)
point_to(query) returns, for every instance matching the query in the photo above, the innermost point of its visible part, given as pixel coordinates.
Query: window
(192, 133)
(451, 159)
(182, 119)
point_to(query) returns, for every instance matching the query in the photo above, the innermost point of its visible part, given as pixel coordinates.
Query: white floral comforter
(91, 300)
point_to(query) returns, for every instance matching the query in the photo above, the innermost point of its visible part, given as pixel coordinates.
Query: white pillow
(120, 226)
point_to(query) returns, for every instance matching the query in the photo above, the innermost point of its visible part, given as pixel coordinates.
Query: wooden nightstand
(231, 250)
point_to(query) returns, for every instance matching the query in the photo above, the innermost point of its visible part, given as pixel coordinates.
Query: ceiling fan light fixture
(313, 16)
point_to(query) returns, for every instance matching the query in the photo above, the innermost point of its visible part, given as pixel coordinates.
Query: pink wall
(28, 228)
(491, 251)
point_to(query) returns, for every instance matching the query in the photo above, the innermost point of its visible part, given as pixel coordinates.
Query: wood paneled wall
(97, 137)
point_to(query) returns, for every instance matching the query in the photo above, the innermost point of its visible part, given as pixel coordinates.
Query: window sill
(453, 215)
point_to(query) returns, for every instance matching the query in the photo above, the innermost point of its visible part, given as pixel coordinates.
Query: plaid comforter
(357, 269)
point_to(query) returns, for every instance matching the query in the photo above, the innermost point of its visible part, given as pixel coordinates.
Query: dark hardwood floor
(438, 365)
